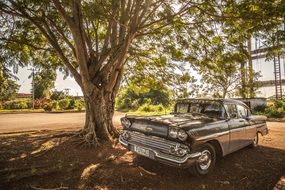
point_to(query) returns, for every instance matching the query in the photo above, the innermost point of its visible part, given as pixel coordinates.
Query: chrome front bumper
(169, 159)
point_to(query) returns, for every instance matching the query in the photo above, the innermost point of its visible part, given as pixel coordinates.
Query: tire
(255, 141)
(206, 162)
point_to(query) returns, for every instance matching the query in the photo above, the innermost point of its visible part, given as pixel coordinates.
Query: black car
(194, 135)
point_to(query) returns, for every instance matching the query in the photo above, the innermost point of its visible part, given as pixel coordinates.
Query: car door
(243, 113)
(250, 126)
(237, 128)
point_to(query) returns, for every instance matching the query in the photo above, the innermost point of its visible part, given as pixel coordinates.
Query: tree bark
(98, 120)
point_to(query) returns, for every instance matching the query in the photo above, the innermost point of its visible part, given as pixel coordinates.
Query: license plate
(141, 151)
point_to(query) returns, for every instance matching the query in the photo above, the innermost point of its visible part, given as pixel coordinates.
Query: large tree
(92, 39)
(8, 85)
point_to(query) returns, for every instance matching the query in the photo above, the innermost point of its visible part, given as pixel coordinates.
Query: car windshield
(210, 108)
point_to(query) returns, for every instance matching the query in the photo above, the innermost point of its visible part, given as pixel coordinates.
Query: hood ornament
(148, 129)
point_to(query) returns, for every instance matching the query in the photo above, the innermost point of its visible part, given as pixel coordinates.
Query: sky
(60, 84)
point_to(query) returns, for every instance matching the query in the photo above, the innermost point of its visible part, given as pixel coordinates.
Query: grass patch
(38, 111)
(22, 111)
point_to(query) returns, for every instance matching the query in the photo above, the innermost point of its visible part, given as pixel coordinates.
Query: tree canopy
(8, 86)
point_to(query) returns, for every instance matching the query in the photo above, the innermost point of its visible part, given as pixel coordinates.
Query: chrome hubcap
(205, 160)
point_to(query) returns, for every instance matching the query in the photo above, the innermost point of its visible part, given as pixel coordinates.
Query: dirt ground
(50, 159)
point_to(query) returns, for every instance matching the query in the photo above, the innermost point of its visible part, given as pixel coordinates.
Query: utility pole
(250, 69)
(33, 86)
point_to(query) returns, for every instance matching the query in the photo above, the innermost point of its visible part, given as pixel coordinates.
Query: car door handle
(241, 120)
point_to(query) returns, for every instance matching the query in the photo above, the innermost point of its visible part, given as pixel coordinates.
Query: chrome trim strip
(216, 135)
(122, 142)
(158, 143)
(164, 156)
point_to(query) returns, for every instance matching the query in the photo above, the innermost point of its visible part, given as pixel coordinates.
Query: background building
(272, 71)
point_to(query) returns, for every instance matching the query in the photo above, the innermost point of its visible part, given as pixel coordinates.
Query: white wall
(266, 69)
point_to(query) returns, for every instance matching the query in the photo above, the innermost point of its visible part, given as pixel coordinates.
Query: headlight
(173, 132)
(125, 122)
(182, 135)
(177, 133)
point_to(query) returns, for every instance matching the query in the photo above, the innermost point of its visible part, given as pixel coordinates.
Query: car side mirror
(247, 118)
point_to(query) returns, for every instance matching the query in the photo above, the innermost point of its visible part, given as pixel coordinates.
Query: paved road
(51, 121)
(41, 121)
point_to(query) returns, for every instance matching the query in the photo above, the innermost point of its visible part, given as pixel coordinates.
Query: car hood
(176, 120)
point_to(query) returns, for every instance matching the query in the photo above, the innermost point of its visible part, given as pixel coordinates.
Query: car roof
(223, 100)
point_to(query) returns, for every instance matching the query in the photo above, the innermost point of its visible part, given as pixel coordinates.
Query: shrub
(135, 105)
(275, 112)
(1, 106)
(54, 105)
(132, 97)
(63, 104)
(39, 103)
(29, 104)
(259, 108)
(279, 103)
(160, 108)
(58, 95)
(151, 108)
(15, 105)
(47, 107)
(71, 104)
(79, 105)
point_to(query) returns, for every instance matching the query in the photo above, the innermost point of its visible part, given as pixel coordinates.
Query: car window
(182, 107)
(206, 107)
(231, 109)
(242, 111)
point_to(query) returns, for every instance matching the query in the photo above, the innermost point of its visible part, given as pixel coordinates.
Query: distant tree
(223, 78)
(186, 86)
(132, 96)
(8, 86)
(44, 82)
(58, 95)
(263, 20)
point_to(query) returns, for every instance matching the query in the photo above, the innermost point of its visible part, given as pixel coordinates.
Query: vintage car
(195, 134)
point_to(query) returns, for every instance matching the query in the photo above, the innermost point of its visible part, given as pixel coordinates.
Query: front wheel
(205, 162)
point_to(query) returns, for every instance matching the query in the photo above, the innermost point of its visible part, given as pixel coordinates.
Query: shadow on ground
(50, 159)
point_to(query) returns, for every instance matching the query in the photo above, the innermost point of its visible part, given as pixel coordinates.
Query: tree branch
(52, 41)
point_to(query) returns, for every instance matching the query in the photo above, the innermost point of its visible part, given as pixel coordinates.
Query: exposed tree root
(59, 135)
(59, 188)
(148, 172)
(82, 141)
(85, 139)
(7, 170)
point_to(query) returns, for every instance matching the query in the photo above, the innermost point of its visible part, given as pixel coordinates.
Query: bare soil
(50, 159)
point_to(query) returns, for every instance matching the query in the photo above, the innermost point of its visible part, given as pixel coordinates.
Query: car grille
(157, 143)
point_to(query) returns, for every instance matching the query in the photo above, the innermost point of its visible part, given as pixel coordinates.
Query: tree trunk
(243, 80)
(224, 93)
(250, 70)
(98, 121)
